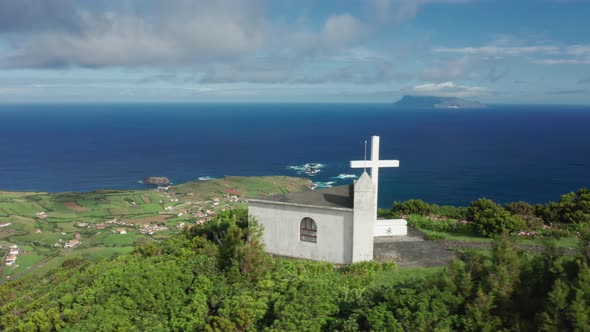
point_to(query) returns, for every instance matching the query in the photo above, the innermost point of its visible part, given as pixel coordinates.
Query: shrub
(451, 212)
(387, 214)
(412, 206)
(491, 219)
(553, 232)
(520, 208)
(444, 225)
(431, 224)
(370, 267)
(572, 208)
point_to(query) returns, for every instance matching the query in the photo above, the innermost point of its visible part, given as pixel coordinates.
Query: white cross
(374, 164)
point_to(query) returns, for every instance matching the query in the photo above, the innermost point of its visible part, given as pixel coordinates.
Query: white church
(336, 224)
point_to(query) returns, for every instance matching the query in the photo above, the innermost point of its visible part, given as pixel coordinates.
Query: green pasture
(44, 266)
(21, 208)
(9, 195)
(247, 186)
(44, 238)
(121, 240)
(70, 227)
(46, 251)
(22, 225)
(94, 213)
(24, 262)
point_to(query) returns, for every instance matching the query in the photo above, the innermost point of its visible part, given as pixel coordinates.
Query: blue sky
(294, 50)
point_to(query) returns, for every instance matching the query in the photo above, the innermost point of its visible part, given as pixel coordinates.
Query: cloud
(578, 50)
(538, 54)
(570, 55)
(178, 32)
(374, 73)
(446, 89)
(338, 32)
(402, 10)
(216, 41)
(246, 72)
(569, 92)
(500, 51)
(341, 30)
(16, 91)
(28, 15)
(451, 70)
(561, 61)
(495, 74)
(466, 67)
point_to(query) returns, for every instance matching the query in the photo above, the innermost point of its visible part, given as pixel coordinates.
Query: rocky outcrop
(157, 180)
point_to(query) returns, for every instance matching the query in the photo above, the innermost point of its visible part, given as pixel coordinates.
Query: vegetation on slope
(560, 223)
(216, 277)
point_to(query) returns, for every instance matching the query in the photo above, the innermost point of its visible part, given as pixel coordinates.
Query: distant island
(424, 102)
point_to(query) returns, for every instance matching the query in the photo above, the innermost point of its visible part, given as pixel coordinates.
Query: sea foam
(320, 185)
(345, 176)
(309, 168)
(204, 178)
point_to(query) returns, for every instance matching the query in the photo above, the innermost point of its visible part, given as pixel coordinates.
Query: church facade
(337, 224)
(332, 224)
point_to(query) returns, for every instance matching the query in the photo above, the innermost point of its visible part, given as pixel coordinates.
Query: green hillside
(216, 277)
(108, 222)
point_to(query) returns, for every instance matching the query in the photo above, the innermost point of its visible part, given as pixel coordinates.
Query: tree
(412, 206)
(572, 208)
(491, 219)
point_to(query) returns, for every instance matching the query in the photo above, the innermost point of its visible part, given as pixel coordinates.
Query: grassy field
(566, 242)
(39, 221)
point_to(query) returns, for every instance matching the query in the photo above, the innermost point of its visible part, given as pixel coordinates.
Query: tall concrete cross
(374, 164)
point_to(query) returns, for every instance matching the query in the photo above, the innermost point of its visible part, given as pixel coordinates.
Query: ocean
(506, 153)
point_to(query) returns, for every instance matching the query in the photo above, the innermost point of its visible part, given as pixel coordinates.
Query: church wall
(391, 227)
(281, 231)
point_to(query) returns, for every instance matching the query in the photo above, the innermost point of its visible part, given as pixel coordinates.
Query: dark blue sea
(506, 153)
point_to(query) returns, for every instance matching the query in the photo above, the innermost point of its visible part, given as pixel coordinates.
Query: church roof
(335, 197)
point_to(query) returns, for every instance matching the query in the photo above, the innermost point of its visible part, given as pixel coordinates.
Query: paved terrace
(411, 250)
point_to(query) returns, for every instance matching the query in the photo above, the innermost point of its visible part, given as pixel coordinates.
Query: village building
(10, 260)
(336, 224)
(72, 244)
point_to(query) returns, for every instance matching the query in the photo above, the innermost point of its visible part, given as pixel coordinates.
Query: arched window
(308, 230)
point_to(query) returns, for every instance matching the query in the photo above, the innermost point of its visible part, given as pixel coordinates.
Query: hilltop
(425, 102)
